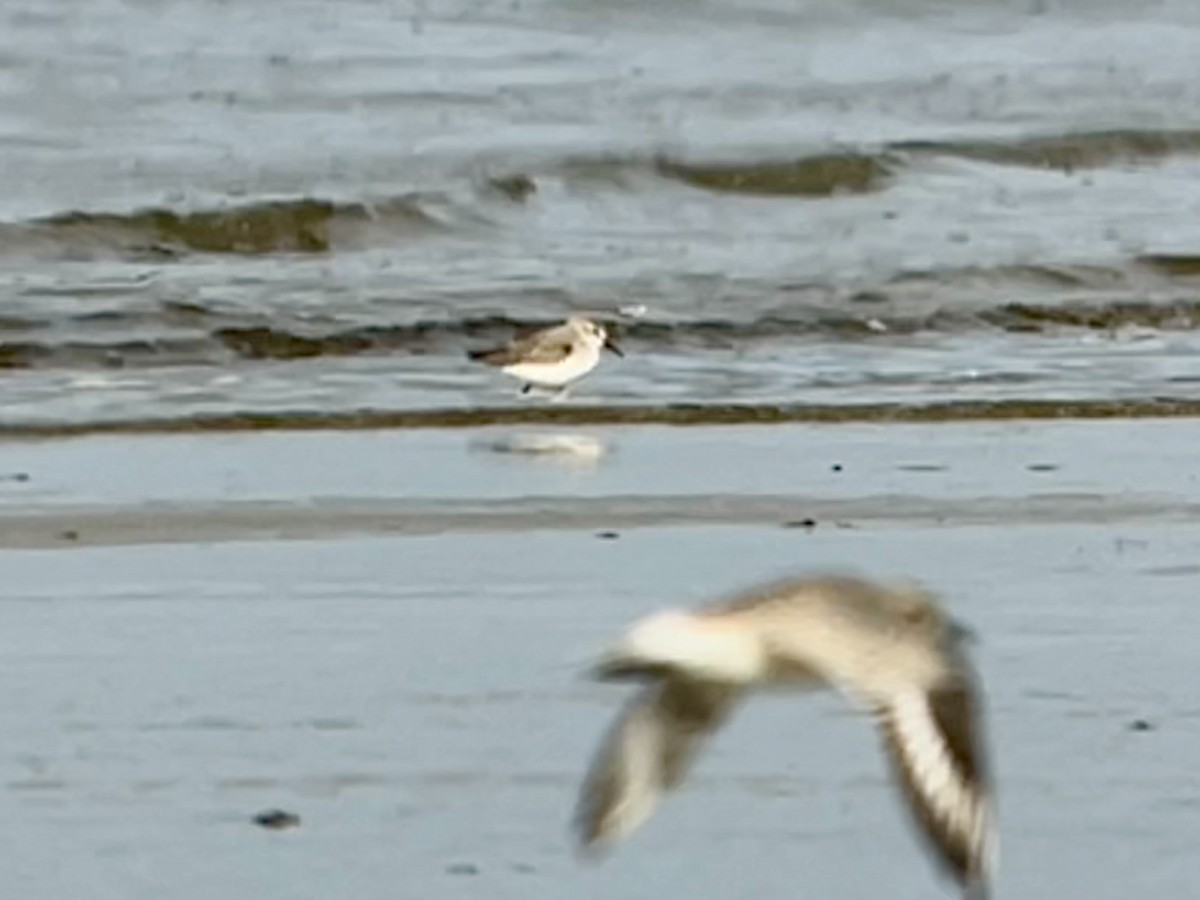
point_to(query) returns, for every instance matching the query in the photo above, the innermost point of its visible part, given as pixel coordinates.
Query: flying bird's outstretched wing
(936, 753)
(647, 751)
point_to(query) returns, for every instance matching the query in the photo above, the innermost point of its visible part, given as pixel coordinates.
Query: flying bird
(893, 651)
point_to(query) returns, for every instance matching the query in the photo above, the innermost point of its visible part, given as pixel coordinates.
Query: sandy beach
(382, 632)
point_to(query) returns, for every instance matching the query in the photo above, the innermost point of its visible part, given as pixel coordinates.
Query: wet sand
(186, 488)
(416, 699)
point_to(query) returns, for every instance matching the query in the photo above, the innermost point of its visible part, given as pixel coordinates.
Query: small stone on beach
(1140, 725)
(801, 523)
(277, 819)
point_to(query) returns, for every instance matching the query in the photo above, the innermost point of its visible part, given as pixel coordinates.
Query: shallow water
(417, 700)
(298, 207)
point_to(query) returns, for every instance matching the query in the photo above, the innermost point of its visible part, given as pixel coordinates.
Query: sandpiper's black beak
(610, 345)
(963, 633)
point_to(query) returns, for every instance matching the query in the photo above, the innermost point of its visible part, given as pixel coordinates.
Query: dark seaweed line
(264, 342)
(673, 414)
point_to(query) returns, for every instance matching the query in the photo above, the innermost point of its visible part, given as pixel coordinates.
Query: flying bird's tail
(700, 648)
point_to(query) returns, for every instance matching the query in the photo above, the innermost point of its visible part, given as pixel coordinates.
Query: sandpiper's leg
(561, 394)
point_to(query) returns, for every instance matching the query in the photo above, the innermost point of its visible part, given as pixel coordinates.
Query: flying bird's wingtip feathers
(587, 841)
(590, 850)
(932, 746)
(622, 784)
(979, 889)
(595, 829)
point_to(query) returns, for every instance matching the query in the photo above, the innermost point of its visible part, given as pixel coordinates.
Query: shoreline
(121, 490)
(606, 518)
(673, 414)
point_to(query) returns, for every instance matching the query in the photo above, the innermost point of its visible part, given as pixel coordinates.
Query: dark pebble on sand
(1140, 725)
(801, 523)
(462, 869)
(1042, 467)
(277, 819)
(608, 535)
(15, 476)
(837, 467)
(69, 535)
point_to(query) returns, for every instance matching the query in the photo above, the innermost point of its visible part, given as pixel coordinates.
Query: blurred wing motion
(648, 751)
(932, 741)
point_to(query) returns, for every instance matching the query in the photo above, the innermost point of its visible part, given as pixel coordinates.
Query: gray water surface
(209, 207)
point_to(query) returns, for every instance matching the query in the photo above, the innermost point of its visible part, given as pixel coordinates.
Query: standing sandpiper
(553, 357)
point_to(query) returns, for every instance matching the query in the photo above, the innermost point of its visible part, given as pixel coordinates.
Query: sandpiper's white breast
(581, 360)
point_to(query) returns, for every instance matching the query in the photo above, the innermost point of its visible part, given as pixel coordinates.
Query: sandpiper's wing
(647, 751)
(934, 743)
(545, 347)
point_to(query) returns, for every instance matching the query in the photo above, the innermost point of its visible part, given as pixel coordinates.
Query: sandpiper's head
(593, 334)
